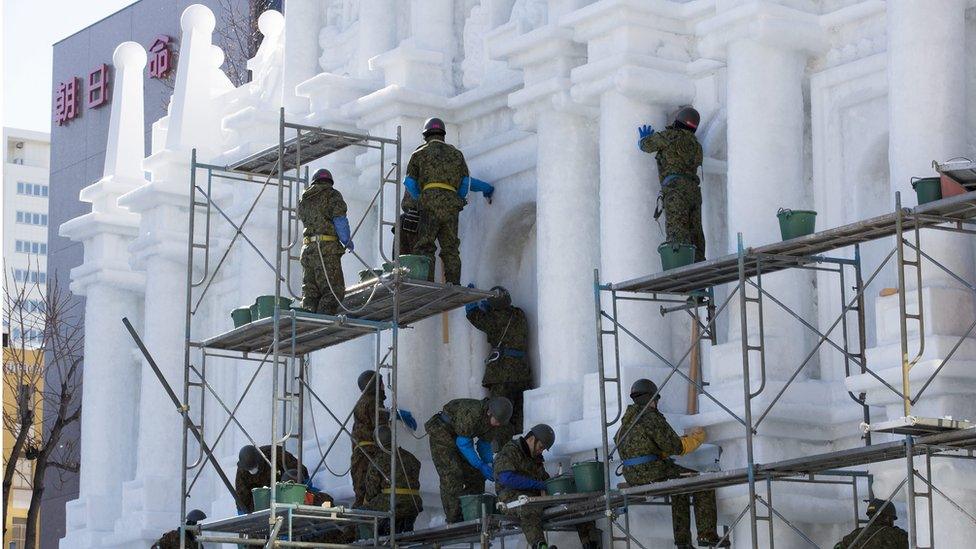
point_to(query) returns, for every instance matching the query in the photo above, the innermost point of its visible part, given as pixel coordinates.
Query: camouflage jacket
(408, 202)
(466, 417)
(363, 417)
(650, 435)
(506, 329)
(408, 477)
(879, 536)
(245, 481)
(319, 204)
(437, 162)
(515, 457)
(678, 152)
(171, 540)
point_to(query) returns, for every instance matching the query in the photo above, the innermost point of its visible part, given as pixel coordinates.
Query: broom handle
(695, 370)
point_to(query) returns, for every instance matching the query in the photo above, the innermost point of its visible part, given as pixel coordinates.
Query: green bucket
(365, 531)
(241, 316)
(796, 223)
(265, 305)
(471, 505)
(291, 492)
(261, 497)
(254, 311)
(563, 484)
(369, 274)
(676, 254)
(417, 266)
(588, 476)
(927, 189)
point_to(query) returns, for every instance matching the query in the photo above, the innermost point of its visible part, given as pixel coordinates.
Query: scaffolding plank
(963, 171)
(305, 520)
(311, 145)
(777, 256)
(371, 304)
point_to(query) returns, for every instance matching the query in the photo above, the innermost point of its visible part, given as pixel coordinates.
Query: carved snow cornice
(764, 22)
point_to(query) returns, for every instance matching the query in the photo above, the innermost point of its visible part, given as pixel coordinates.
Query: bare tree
(42, 366)
(238, 35)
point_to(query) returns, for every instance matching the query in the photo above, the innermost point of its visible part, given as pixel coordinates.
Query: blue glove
(644, 132)
(471, 285)
(485, 452)
(342, 231)
(407, 418)
(488, 471)
(412, 186)
(470, 308)
(513, 480)
(466, 447)
(476, 185)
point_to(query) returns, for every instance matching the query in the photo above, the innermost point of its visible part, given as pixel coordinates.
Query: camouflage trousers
(683, 214)
(439, 211)
(359, 464)
(408, 239)
(706, 513)
(530, 520)
(316, 280)
(458, 478)
(513, 392)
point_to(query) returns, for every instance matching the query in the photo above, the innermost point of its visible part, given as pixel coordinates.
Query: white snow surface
(816, 104)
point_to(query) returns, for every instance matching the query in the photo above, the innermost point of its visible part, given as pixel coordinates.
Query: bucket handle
(786, 212)
(915, 181)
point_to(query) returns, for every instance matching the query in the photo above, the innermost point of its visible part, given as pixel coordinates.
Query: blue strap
(640, 460)
(669, 179)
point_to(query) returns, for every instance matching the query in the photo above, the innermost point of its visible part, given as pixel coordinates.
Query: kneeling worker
(377, 485)
(646, 442)
(881, 534)
(460, 445)
(254, 471)
(520, 471)
(171, 539)
(323, 212)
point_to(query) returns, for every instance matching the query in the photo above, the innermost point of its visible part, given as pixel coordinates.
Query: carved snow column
(765, 46)
(112, 291)
(926, 107)
(567, 218)
(151, 502)
(623, 78)
(303, 18)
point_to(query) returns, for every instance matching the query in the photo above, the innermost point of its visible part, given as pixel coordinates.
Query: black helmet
(365, 379)
(501, 409)
(643, 389)
(195, 516)
(544, 434)
(434, 126)
(249, 458)
(688, 118)
(384, 435)
(322, 174)
(502, 301)
(886, 509)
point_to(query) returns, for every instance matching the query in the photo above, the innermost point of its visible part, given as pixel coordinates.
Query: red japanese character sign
(98, 87)
(160, 57)
(66, 102)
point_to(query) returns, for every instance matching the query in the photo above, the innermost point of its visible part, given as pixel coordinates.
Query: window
(31, 218)
(30, 247)
(18, 532)
(30, 336)
(31, 189)
(21, 275)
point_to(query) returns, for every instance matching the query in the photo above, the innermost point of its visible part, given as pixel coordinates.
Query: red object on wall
(98, 87)
(66, 102)
(160, 57)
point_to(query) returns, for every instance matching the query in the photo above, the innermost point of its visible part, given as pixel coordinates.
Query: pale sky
(30, 27)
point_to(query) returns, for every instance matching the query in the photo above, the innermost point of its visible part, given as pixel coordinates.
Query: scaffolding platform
(309, 145)
(962, 170)
(469, 531)
(305, 520)
(373, 302)
(915, 426)
(801, 251)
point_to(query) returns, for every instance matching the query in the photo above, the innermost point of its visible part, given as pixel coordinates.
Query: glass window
(42, 278)
(44, 220)
(43, 248)
(43, 190)
(20, 246)
(20, 217)
(20, 188)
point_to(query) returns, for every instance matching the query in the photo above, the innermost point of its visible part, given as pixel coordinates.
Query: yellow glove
(691, 441)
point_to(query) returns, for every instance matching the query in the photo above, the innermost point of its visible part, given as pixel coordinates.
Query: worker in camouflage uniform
(507, 371)
(409, 220)
(326, 237)
(679, 155)
(460, 446)
(646, 443)
(520, 471)
(881, 533)
(437, 176)
(364, 449)
(377, 485)
(171, 539)
(254, 471)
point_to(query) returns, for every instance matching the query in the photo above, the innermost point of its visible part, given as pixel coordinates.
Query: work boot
(713, 540)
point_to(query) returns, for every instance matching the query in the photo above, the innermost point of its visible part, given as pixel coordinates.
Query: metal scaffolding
(280, 343)
(689, 289)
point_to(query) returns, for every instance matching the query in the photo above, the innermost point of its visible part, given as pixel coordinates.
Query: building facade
(831, 105)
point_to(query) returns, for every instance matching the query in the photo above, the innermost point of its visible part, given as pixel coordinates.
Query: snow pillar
(303, 19)
(567, 216)
(112, 291)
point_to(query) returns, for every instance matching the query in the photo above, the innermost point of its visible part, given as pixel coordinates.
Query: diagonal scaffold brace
(184, 411)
